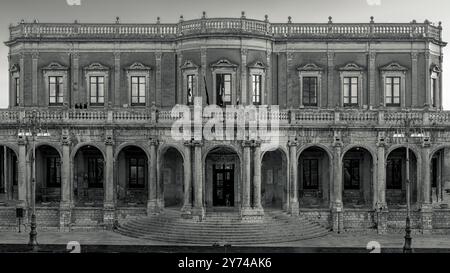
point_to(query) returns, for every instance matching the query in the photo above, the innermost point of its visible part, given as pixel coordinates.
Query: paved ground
(329, 243)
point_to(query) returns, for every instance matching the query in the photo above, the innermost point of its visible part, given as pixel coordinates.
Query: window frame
(97, 70)
(352, 70)
(224, 66)
(138, 70)
(52, 178)
(15, 93)
(189, 69)
(17, 84)
(256, 89)
(393, 70)
(59, 90)
(140, 80)
(138, 159)
(348, 185)
(304, 180)
(391, 86)
(258, 68)
(97, 84)
(434, 88)
(56, 70)
(310, 70)
(352, 93)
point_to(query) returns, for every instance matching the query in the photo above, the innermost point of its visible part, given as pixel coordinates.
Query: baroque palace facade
(103, 94)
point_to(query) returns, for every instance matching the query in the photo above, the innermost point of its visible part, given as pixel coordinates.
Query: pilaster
(34, 77)
(244, 92)
(337, 205)
(414, 57)
(372, 79)
(268, 91)
(330, 71)
(426, 207)
(198, 210)
(257, 206)
(381, 209)
(158, 56)
(186, 210)
(117, 91)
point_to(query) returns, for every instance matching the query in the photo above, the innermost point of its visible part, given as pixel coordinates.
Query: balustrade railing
(231, 25)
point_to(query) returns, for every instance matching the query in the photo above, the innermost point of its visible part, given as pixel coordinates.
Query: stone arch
(125, 145)
(40, 144)
(282, 148)
(169, 190)
(275, 178)
(165, 146)
(80, 145)
(212, 147)
(318, 145)
(363, 146)
(13, 147)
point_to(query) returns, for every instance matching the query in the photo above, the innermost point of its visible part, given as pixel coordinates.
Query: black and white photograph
(241, 129)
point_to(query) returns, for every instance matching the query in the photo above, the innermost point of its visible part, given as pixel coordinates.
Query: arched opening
(314, 177)
(440, 177)
(171, 178)
(48, 175)
(132, 177)
(88, 185)
(222, 172)
(8, 175)
(396, 177)
(357, 177)
(274, 180)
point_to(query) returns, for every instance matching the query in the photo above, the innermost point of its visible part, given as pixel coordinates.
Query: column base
(294, 210)
(337, 217)
(108, 215)
(65, 217)
(382, 218)
(426, 214)
(252, 215)
(186, 212)
(198, 213)
(153, 207)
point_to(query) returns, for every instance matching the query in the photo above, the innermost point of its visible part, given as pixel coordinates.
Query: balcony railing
(165, 117)
(227, 25)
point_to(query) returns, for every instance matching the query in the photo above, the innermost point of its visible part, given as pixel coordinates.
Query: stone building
(104, 94)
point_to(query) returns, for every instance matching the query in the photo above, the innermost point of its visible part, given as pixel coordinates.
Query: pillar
(330, 71)
(427, 80)
(75, 96)
(201, 80)
(65, 204)
(34, 77)
(22, 172)
(337, 206)
(117, 80)
(293, 163)
(108, 204)
(247, 171)
(426, 208)
(198, 211)
(381, 207)
(179, 96)
(257, 177)
(244, 91)
(268, 93)
(22, 80)
(158, 56)
(152, 202)
(290, 87)
(187, 204)
(414, 79)
(372, 79)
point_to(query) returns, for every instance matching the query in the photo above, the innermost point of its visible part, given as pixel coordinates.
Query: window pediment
(351, 67)
(310, 67)
(96, 67)
(257, 65)
(138, 67)
(224, 63)
(393, 67)
(14, 68)
(189, 65)
(55, 67)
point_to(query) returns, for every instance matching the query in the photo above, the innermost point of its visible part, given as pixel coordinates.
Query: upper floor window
(55, 87)
(97, 77)
(310, 76)
(256, 88)
(351, 91)
(351, 85)
(224, 82)
(434, 88)
(136, 172)
(97, 90)
(392, 87)
(190, 82)
(15, 85)
(138, 84)
(190, 87)
(394, 81)
(138, 90)
(17, 90)
(56, 82)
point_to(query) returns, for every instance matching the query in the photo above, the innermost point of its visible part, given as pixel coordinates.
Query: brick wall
(320, 216)
(359, 219)
(87, 217)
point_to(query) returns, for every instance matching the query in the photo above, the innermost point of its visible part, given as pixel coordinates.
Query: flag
(206, 90)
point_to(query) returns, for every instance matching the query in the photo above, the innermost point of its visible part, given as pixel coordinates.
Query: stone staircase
(221, 228)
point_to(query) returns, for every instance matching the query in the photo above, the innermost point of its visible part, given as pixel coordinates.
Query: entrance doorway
(223, 185)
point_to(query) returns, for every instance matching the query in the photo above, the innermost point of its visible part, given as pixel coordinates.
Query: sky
(146, 11)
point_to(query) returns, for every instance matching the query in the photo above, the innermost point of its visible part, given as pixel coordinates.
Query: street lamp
(33, 124)
(407, 122)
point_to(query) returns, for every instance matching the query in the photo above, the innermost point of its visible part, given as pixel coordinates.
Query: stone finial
(22, 21)
(330, 20)
(36, 21)
(181, 18)
(243, 14)
(289, 19)
(117, 20)
(426, 21)
(371, 20)
(75, 22)
(266, 18)
(414, 21)
(158, 20)
(440, 25)
(203, 14)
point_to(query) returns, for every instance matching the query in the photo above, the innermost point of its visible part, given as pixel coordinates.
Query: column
(293, 163)
(244, 91)
(257, 177)
(65, 204)
(246, 175)
(108, 204)
(337, 205)
(198, 210)
(427, 79)
(179, 97)
(158, 56)
(372, 79)
(439, 177)
(268, 93)
(202, 78)
(34, 77)
(152, 202)
(75, 96)
(22, 172)
(116, 90)
(22, 80)
(187, 204)
(426, 208)
(290, 89)
(414, 79)
(381, 207)
(330, 71)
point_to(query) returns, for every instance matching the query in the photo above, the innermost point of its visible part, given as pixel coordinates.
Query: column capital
(197, 143)
(292, 143)
(330, 55)
(244, 51)
(116, 55)
(203, 51)
(35, 54)
(256, 143)
(65, 138)
(158, 55)
(21, 140)
(426, 142)
(427, 54)
(246, 143)
(109, 137)
(372, 55)
(414, 55)
(153, 142)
